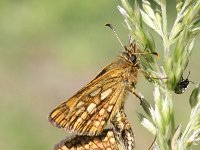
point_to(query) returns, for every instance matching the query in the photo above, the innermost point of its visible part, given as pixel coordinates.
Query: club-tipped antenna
(112, 28)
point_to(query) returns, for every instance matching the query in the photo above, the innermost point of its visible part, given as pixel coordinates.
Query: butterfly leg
(134, 91)
(123, 130)
(149, 77)
(143, 102)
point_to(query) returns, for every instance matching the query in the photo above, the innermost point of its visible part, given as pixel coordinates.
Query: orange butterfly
(118, 138)
(89, 110)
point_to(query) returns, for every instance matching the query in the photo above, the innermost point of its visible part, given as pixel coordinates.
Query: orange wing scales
(105, 141)
(92, 122)
(88, 111)
(123, 130)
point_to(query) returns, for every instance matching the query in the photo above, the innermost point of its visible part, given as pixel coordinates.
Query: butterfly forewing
(105, 141)
(88, 111)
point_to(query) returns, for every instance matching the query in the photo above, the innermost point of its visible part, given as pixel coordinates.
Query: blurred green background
(48, 51)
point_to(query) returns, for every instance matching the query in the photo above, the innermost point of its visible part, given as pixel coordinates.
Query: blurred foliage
(29, 27)
(48, 50)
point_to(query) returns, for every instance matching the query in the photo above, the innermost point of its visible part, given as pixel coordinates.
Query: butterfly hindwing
(105, 141)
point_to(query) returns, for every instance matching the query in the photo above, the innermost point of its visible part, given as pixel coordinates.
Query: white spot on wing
(105, 94)
(80, 104)
(94, 93)
(101, 112)
(91, 107)
(96, 123)
(110, 108)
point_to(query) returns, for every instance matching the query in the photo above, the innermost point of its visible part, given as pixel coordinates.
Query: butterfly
(182, 85)
(105, 141)
(117, 138)
(89, 110)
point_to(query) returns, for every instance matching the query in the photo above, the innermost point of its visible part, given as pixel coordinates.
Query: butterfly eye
(133, 59)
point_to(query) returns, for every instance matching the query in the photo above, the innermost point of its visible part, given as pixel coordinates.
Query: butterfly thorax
(130, 63)
(131, 72)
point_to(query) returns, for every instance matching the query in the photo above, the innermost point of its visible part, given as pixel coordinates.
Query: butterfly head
(131, 54)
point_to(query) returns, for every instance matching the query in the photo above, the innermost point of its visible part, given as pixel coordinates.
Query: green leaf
(176, 31)
(158, 2)
(148, 9)
(146, 106)
(137, 14)
(147, 123)
(179, 5)
(194, 97)
(176, 137)
(127, 7)
(150, 41)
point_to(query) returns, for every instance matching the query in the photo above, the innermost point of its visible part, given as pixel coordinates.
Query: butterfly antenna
(112, 28)
(151, 146)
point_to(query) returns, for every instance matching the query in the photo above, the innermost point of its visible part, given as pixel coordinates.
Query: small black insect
(182, 85)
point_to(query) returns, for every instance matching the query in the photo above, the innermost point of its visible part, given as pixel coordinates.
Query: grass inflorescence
(177, 44)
